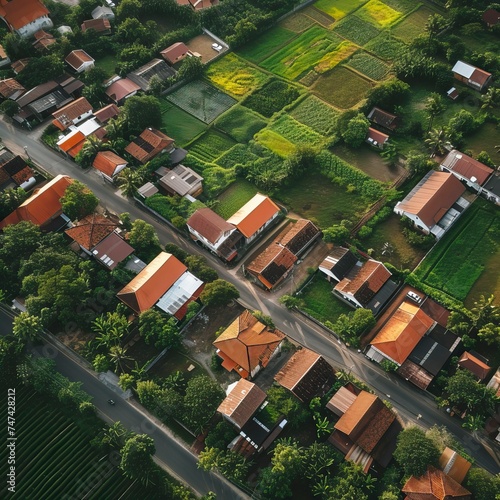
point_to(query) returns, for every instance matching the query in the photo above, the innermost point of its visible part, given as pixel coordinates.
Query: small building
(473, 77)
(19, 65)
(475, 365)
(109, 164)
(175, 53)
(383, 118)
(25, 17)
(255, 216)
(247, 345)
(72, 143)
(112, 250)
(142, 76)
(434, 204)
(213, 232)
(100, 25)
(105, 114)
(150, 143)
(198, 4)
(11, 89)
(272, 265)
(491, 17)
(306, 375)
(90, 231)
(64, 30)
(147, 190)
(376, 138)
(454, 465)
(103, 12)
(43, 40)
(72, 114)
(79, 60)
(452, 94)
(243, 399)
(121, 89)
(16, 173)
(338, 264)
(182, 181)
(299, 236)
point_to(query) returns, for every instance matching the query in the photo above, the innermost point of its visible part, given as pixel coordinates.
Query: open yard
(107, 63)
(485, 139)
(316, 114)
(202, 44)
(338, 8)
(240, 123)
(461, 257)
(178, 124)
(257, 50)
(211, 145)
(234, 197)
(412, 25)
(201, 100)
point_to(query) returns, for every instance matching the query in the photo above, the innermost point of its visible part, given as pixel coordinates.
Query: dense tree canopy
(219, 293)
(415, 451)
(78, 201)
(142, 112)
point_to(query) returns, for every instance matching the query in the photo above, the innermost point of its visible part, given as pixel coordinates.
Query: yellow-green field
(338, 8)
(275, 142)
(378, 13)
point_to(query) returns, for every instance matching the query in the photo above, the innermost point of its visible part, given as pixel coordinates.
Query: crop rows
(378, 13)
(386, 46)
(297, 23)
(275, 142)
(240, 123)
(266, 44)
(368, 65)
(272, 97)
(332, 59)
(356, 30)
(314, 113)
(237, 155)
(296, 132)
(211, 145)
(412, 25)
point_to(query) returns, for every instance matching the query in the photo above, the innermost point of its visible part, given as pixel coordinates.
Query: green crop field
(338, 8)
(234, 197)
(378, 13)
(413, 25)
(211, 145)
(341, 87)
(404, 6)
(297, 23)
(368, 65)
(320, 17)
(235, 76)
(272, 97)
(266, 44)
(335, 57)
(302, 53)
(275, 142)
(316, 114)
(385, 46)
(355, 29)
(178, 124)
(461, 256)
(240, 123)
(201, 100)
(296, 132)
(237, 155)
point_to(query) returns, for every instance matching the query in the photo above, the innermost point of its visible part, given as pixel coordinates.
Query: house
(150, 143)
(156, 67)
(366, 431)
(105, 114)
(452, 93)
(43, 207)
(109, 164)
(299, 236)
(121, 89)
(100, 25)
(454, 465)
(434, 485)
(19, 65)
(475, 365)
(247, 345)
(376, 138)
(72, 143)
(255, 216)
(111, 251)
(43, 40)
(175, 53)
(434, 203)
(11, 89)
(147, 190)
(71, 114)
(16, 173)
(90, 231)
(491, 17)
(243, 399)
(165, 283)
(306, 375)
(213, 232)
(182, 181)
(71, 85)
(272, 266)
(338, 264)
(25, 17)
(383, 118)
(482, 179)
(473, 77)
(102, 12)
(79, 60)
(198, 4)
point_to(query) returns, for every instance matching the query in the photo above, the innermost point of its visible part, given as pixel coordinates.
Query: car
(111, 402)
(216, 47)
(110, 3)
(414, 296)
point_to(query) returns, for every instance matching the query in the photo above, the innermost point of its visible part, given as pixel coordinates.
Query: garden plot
(368, 65)
(355, 29)
(296, 132)
(297, 23)
(239, 154)
(201, 100)
(332, 59)
(272, 97)
(314, 113)
(342, 87)
(386, 46)
(235, 76)
(233, 198)
(413, 25)
(319, 16)
(338, 8)
(404, 6)
(257, 50)
(211, 145)
(178, 124)
(240, 123)
(275, 142)
(378, 13)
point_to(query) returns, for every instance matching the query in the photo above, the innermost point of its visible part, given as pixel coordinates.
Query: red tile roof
(98, 25)
(72, 141)
(107, 162)
(112, 250)
(19, 65)
(382, 118)
(78, 57)
(296, 368)
(453, 464)
(19, 13)
(480, 76)
(298, 235)
(372, 275)
(377, 136)
(175, 53)
(209, 224)
(491, 17)
(66, 116)
(105, 114)
(474, 365)
(466, 166)
(9, 87)
(121, 89)
(91, 230)
(148, 145)
(271, 265)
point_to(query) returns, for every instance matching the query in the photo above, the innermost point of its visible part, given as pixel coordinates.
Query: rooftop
(91, 230)
(78, 57)
(209, 224)
(296, 368)
(65, 116)
(474, 365)
(272, 264)
(466, 166)
(98, 25)
(454, 465)
(19, 13)
(382, 118)
(112, 250)
(298, 235)
(122, 88)
(148, 144)
(180, 179)
(107, 162)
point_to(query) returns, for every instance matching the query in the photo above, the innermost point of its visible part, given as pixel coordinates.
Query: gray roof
(180, 179)
(143, 75)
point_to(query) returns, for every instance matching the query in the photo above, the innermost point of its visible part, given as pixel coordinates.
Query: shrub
(364, 232)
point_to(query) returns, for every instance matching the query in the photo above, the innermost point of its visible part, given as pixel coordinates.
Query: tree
(110, 328)
(27, 327)
(418, 163)
(40, 70)
(289, 406)
(10, 199)
(434, 105)
(221, 435)
(485, 311)
(388, 95)
(414, 451)
(229, 463)
(101, 363)
(115, 435)
(356, 130)
(126, 381)
(129, 181)
(337, 233)
(9, 108)
(142, 112)
(318, 458)
(485, 158)
(482, 484)
(198, 266)
(144, 239)
(78, 201)
(149, 393)
(219, 293)
(435, 23)
(118, 354)
(390, 153)
(191, 68)
(350, 326)
(491, 99)
(136, 461)
(290, 302)
(438, 139)
(302, 160)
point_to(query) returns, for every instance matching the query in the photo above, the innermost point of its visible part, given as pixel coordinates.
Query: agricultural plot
(234, 197)
(378, 13)
(235, 76)
(297, 23)
(275, 142)
(412, 25)
(257, 50)
(296, 132)
(368, 65)
(338, 8)
(332, 59)
(302, 53)
(341, 87)
(272, 97)
(211, 145)
(240, 123)
(404, 6)
(322, 18)
(237, 155)
(314, 113)
(201, 100)
(385, 46)
(355, 29)
(178, 124)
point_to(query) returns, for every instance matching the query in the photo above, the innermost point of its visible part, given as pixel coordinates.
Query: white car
(216, 47)
(415, 297)
(110, 3)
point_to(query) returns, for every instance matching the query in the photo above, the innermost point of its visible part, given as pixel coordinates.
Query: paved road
(406, 399)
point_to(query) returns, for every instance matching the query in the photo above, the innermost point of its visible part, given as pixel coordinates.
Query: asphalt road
(408, 401)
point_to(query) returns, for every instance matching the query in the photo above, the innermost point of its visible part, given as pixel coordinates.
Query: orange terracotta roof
(272, 264)
(98, 25)
(107, 162)
(480, 76)
(474, 365)
(9, 87)
(298, 235)
(19, 65)
(248, 342)
(242, 402)
(77, 57)
(91, 230)
(74, 150)
(144, 291)
(377, 136)
(175, 52)
(121, 89)
(254, 214)
(209, 224)
(43, 205)
(73, 140)
(148, 145)
(19, 13)
(454, 465)
(65, 116)
(402, 332)
(434, 485)
(296, 368)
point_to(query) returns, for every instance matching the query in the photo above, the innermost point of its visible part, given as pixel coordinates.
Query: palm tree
(115, 434)
(322, 487)
(92, 146)
(437, 140)
(434, 105)
(114, 128)
(485, 311)
(139, 372)
(129, 180)
(118, 354)
(491, 99)
(27, 327)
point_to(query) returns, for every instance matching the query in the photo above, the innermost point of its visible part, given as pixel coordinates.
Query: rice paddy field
(266, 44)
(234, 197)
(240, 123)
(316, 114)
(412, 25)
(338, 9)
(211, 145)
(370, 66)
(179, 124)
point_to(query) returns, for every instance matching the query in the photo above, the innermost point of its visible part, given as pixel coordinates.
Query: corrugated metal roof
(463, 69)
(298, 365)
(179, 293)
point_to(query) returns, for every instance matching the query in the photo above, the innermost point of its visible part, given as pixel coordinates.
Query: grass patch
(342, 88)
(107, 63)
(178, 124)
(338, 8)
(240, 123)
(320, 302)
(275, 142)
(297, 23)
(368, 65)
(234, 197)
(266, 44)
(272, 97)
(413, 25)
(296, 132)
(355, 29)
(316, 114)
(211, 145)
(386, 46)
(378, 13)
(302, 53)
(237, 155)
(330, 60)
(201, 100)
(235, 76)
